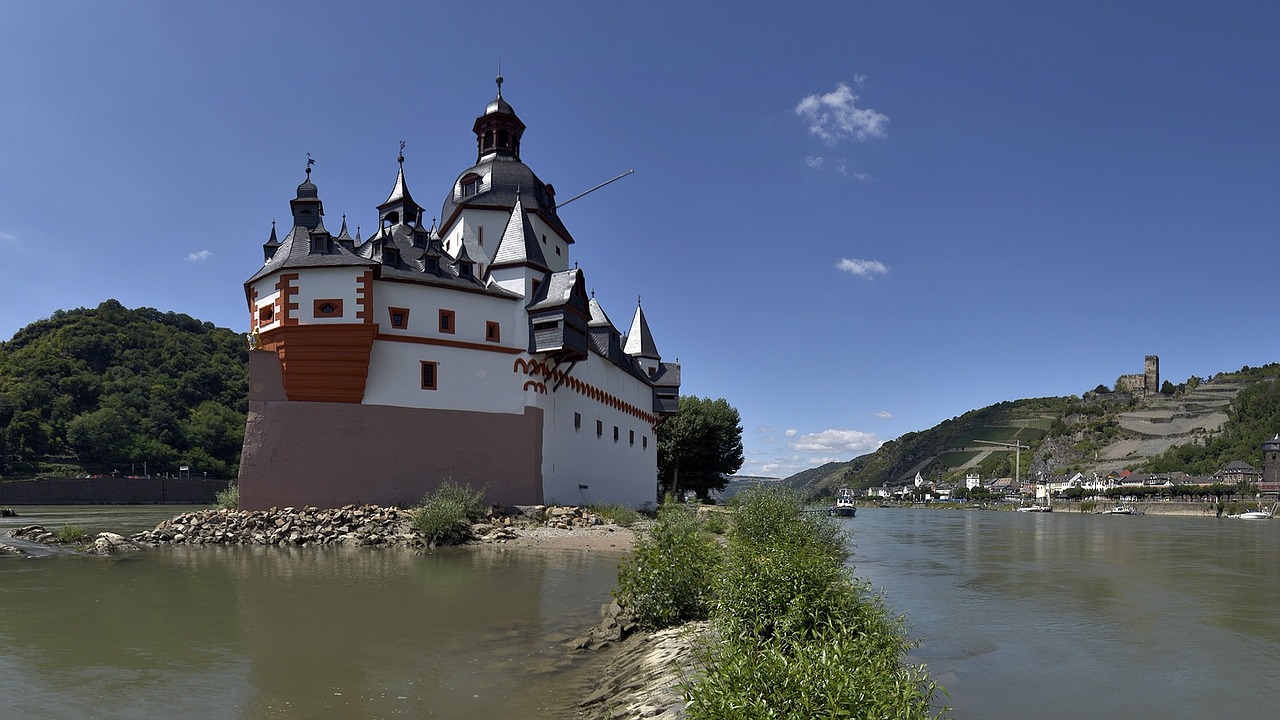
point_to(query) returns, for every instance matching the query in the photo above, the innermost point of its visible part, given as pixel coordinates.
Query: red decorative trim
(364, 297)
(285, 306)
(335, 305)
(541, 387)
(253, 309)
(404, 317)
(486, 347)
(322, 362)
(531, 367)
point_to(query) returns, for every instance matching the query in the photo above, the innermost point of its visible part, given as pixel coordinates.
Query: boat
(1036, 508)
(1257, 514)
(1120, 510)
(845, 506)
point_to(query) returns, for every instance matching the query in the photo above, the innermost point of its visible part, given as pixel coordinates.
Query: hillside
(1197, 427)
(109, 389)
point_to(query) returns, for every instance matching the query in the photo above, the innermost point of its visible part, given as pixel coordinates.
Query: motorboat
(845, 504)
(1257, 514)
(1036, 508)
(1120, 510)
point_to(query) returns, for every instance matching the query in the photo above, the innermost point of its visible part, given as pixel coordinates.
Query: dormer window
(319, 244)
(433, 264)
(470, 185)
(390, 256)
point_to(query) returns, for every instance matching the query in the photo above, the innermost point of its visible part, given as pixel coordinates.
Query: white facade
(483, 316)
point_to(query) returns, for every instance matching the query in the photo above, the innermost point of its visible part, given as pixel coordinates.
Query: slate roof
(519, 244)
(508, 178)
(295, 252)
(639, 339)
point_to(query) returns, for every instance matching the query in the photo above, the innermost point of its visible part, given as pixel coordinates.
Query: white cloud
(835, 116)
(884, 414)
(201, 256)
(834, 440)
(859, 79)
(813, 161)
(791, 432)
(7, 237)
(862, 268)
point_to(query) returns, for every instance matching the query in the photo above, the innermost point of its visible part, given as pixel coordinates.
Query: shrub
(228, 498)
(71, 534)
(667, 580)
(798, 637)
(617, 514)
(447, 512)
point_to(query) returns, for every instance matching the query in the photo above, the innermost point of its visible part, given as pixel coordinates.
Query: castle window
(446, 321)
(615, 433)
(266, 314)
(470, 185)
(399, 317)
(327, 308)
(633, 436)
(557, 249)
(390, 256)
(393, 217)
(577, 421)
(644, 442)
(480, 235)
(544, 239)
(433, 264)
(599, 428)
(504, 139)
(429, 374)
(488, 140)
(492, 331)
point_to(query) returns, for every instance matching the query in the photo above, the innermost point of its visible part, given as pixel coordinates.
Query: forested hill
(1196, 427)
(109, 389)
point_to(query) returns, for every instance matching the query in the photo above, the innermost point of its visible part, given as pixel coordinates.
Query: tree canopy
(700, 447)
(107, 388)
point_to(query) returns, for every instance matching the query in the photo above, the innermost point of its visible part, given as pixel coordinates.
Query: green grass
(446, 513)
(620, 515)
(71, 534)
(229, 498)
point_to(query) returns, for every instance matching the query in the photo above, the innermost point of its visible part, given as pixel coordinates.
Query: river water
(266, 632)
(1064, 615)
(1023, 616)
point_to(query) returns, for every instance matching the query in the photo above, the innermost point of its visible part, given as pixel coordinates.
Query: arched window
(504, 139)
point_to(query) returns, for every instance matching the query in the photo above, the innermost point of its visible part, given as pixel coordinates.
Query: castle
(1146, 383)
(469, 352)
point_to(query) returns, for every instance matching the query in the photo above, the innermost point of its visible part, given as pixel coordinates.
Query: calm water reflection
(215, 632)
(1084, 616)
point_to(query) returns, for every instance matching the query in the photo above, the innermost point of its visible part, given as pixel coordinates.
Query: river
(1066, 615)
(267, 632)
(1049, 616)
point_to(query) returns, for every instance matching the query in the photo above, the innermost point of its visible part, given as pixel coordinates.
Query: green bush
(228, 498)
(798, 637)
(617, 514)
(447, 512)
(668, 578)
(71, 534)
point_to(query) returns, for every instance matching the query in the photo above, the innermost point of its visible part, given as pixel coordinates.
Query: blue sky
(852, 220)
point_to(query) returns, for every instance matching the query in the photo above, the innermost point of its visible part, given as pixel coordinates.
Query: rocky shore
(557, 527)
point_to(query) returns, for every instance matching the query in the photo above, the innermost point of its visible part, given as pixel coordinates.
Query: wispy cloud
(836, 440)
(6, 237)
(199, 257)
(883, 414)
(791, 432)
(835, 116)
(814, 161)
(862, 268)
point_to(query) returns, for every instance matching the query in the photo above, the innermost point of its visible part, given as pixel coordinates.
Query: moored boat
(845, 505)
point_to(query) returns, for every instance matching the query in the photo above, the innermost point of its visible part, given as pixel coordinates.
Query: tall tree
(700, 447)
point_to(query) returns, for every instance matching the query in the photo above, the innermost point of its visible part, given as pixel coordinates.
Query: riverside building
(469, 351)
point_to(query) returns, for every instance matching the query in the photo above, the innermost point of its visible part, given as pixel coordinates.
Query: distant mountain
(109, 389)
(1198, 427)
